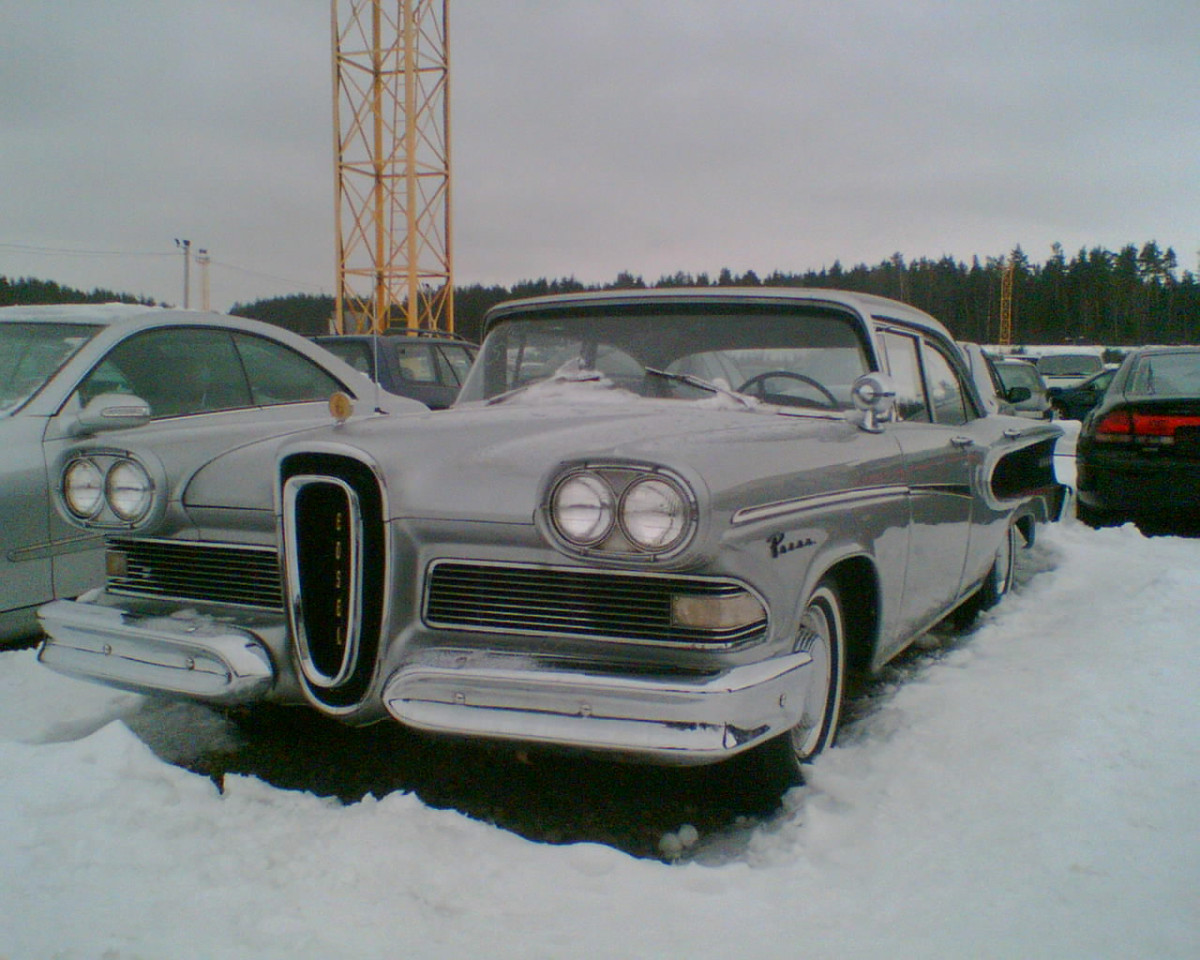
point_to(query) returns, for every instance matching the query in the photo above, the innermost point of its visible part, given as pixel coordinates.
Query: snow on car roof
(73, 312)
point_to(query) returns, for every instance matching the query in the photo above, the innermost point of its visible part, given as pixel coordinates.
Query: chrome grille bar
(609, 605)
(238, 574)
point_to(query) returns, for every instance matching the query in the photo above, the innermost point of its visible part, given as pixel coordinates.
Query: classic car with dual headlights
(665, 525)
(184, 381)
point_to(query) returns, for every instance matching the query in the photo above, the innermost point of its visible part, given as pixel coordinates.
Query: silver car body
(417, 567)
(42, 554)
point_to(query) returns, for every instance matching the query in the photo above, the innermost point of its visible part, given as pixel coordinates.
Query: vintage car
(663, 524)
(178, 377)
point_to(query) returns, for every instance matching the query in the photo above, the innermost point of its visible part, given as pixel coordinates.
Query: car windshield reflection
(31, 353)
(806, 360)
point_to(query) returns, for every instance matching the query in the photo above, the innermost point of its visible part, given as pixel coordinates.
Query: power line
(66, 251)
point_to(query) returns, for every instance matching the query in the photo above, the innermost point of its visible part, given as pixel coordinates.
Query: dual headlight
(122, 485)
(622, 510)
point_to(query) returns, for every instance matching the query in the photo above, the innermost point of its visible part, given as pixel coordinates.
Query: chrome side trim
(824, 501)
(350, 590)
(197, 657)
(56, 548)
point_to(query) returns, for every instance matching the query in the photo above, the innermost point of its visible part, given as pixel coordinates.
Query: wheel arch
(857, 584)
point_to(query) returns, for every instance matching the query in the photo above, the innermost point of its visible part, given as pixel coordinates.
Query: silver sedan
(70, 371)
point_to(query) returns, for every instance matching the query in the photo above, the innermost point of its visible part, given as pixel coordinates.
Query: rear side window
(416, 363)
(945, 388)
(928, 386)
(279, 374)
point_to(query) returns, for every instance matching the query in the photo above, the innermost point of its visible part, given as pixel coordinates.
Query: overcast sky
(593, 137)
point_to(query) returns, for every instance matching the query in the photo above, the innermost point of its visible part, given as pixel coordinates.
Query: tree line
(26, 290)
(1127, 297)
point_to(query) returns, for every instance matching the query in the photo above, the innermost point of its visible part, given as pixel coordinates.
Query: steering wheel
(762, 378)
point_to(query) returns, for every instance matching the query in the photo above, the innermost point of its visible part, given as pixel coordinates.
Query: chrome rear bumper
(674, 720)
(192, 656)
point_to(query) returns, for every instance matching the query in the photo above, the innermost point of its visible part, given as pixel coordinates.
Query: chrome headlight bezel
(642, 512)
(83, 488)
(128, 490)
(573, 498)
(108, 489)
(653, 513)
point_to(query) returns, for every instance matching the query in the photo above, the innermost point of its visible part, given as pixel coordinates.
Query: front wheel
(822, 635)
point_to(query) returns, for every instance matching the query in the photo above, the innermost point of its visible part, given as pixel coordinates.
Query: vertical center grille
(335, 568)
(323, 527)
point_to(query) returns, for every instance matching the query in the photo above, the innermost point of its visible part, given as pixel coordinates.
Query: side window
(901, 353)
(415, 361)
(179, 371)
(279, 374)
(945, 389)
(458, 359)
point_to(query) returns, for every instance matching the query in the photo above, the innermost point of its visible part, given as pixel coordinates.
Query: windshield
(1019, 375)
(31, 353)
(1069, 365)
(791, 357)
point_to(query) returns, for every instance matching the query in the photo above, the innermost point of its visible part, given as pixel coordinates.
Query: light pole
(202, 259)
(186, 247)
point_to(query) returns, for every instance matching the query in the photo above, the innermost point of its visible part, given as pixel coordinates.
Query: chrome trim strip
(197, 656)
(56, 548)
(292, 489)
(678, 719)
(823, 501)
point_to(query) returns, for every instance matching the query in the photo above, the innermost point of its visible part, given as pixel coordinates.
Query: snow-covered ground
(1031, 792)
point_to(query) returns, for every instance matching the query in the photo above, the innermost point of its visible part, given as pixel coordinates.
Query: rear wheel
(822, 636)
(1000, 578)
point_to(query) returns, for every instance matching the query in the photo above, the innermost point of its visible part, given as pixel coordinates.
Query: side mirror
(875, 395)
(111, 411)
(1018, 394)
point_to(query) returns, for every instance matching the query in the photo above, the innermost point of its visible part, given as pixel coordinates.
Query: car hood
(490, 462)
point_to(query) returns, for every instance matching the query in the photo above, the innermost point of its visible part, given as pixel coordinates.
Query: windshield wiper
(701, 384)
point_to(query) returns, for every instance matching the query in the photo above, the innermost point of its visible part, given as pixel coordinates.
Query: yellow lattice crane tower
(391, 118)
(1006, 289)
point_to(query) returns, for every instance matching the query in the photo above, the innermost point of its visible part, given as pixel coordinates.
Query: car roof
(95, 313)
(1161, 348)
(418, 336)
(865, 304)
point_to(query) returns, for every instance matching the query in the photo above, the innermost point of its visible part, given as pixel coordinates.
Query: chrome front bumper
(186, 655)
(673, 720)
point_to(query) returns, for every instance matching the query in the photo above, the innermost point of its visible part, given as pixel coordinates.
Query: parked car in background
(1073, 403)
(1023, 376)
(112, 371)
(982, 367)
(426, 366)
(1069, 369)
(675, 547)
(1138, 453)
